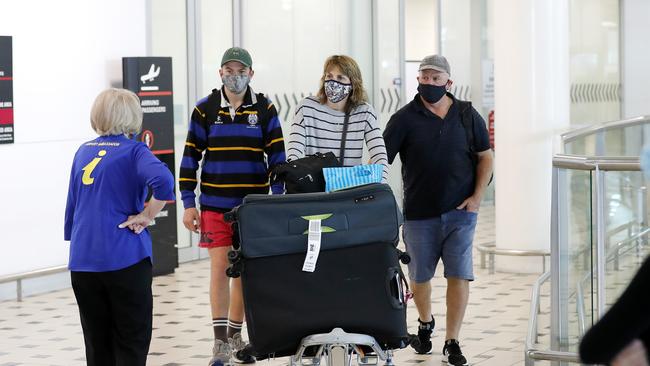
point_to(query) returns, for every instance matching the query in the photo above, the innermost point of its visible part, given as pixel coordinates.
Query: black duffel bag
(305, 175)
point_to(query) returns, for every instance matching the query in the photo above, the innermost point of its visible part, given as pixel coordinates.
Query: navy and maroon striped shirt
(237, 154)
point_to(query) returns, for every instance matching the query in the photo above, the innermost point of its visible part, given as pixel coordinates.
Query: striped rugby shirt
(318, 128)
(237, 154)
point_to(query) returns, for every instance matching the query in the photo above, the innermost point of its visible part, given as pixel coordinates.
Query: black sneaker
(244, 355)
(452, 355)
(422, 342)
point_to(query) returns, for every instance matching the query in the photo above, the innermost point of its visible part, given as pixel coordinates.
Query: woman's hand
(137, 223)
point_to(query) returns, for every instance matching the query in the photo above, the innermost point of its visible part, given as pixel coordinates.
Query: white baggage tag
(313, 246)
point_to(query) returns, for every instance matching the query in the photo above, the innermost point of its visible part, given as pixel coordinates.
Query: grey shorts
(449, 237)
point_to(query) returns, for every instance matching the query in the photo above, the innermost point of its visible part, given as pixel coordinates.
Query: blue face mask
(432, 93)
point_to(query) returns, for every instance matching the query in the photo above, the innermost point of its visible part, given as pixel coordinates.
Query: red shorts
(215, 232)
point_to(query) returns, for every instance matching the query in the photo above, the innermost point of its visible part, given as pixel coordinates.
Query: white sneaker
(221, 353)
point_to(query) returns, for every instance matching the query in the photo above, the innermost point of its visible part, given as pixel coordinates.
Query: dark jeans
(116, 312)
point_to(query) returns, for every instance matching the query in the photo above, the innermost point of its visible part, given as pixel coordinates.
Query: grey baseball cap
(435, 62)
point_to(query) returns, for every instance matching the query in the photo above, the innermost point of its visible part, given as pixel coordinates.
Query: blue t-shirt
(108, 182)
(437, 163)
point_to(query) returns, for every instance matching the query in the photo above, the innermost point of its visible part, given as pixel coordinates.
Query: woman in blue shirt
(105, 222)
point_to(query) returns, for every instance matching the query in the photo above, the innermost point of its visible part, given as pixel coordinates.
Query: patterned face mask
(336, 91)
(236, 83)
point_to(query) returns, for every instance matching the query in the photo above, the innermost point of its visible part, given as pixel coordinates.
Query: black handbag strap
(344, 136)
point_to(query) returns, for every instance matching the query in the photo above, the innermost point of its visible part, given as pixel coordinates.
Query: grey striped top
(318, 128)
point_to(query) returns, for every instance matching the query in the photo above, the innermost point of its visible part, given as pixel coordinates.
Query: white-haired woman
(105, 222)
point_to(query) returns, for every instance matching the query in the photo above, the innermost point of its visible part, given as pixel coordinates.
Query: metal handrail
(19, 277)
(514, 252)
(604, 163)
(580, 306)
(610, 258)
(602, 127)
(531, 353)
(617, 246)
(492, 250)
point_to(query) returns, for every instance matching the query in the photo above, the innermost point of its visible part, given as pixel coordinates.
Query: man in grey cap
(446, 165)
(238, 135)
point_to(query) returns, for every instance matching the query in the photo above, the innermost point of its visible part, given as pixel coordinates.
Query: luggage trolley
(355, 283)
(339, 348)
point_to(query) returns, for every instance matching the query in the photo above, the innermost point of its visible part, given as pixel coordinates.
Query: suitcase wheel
(234, 256)
(233, 272)
(404, 257)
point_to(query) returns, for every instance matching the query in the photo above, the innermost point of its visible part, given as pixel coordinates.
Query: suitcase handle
(395, 288)
(230, 216)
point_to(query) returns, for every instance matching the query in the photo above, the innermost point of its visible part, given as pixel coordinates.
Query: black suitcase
(357, 281)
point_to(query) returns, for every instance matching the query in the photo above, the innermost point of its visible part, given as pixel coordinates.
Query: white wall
(635, 57)
(63, 56)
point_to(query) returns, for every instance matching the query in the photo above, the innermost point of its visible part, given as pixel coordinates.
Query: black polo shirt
(437, 166)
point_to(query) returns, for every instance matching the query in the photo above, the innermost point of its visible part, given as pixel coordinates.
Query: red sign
(147, 138)
(6, 91)
(6, 116)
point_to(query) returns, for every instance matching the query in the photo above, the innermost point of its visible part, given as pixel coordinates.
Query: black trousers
(116, 314)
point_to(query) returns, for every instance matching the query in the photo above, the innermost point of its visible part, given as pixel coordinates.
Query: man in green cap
(237, 133)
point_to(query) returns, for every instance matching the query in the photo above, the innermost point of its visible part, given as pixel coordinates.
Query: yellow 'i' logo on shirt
(88, 169)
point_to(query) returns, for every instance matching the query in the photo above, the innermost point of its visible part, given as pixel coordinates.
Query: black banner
(151, 79)
(6, 92)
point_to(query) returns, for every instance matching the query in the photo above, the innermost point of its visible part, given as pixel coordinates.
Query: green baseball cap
(237, 54)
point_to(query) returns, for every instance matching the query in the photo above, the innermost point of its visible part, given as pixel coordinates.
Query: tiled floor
(45, 329)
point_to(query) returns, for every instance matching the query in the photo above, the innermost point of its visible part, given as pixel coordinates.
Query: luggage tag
(313, 246)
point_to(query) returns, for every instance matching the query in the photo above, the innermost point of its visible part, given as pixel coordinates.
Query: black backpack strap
(212, 106)
(467, 120)
(344, 136)
(262, 106)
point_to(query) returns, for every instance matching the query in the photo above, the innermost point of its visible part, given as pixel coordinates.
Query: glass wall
(216, 36)
(422, 38)
(387, 93)
(599, 239)
(290, 40)
(168, 38)
(574, 248)
(594, 56)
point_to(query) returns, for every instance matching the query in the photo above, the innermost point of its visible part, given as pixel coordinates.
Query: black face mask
(432, 93)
